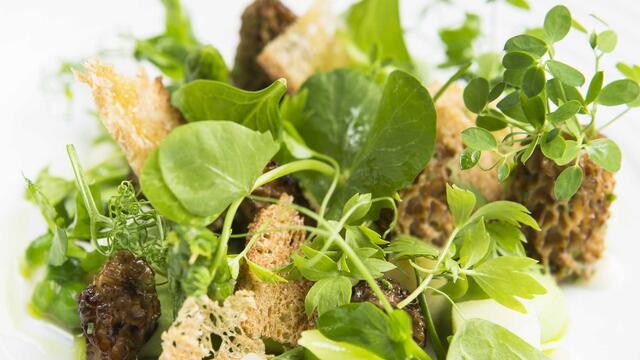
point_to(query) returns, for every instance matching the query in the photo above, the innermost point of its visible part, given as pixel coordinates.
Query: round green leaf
(496, 91)
(557, 23)
(565, 112)
(534, 110)
(553, 147)
(526, 43)
(503, 172)
(619, 92)
(476, 94)
(206, 167)
(565, 73)
(479, 139)
(469, 158)
(491, 122)
(605, 153)
(607, 41)
(517, 60)
(567, 183)
(533, 81)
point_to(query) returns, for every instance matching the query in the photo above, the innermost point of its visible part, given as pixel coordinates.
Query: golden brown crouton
(279, 314)
(262, 21)
(306, 46)
(135, 111)
(423, 211)
(201, 320)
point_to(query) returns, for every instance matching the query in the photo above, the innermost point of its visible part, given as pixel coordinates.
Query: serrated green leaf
(476, 94)
(461, 203)
(479, 139)
(327, 294)
(605, 153)
(534, 81)
(557, 23)
(526, 43)
(507, 237)
(475, 244)
(567, 183)
(406, 247)
(607, 41)
(565, 73)
(469, 158)
(323, 267)
(505, 279)
(507, 211)
(619, 92)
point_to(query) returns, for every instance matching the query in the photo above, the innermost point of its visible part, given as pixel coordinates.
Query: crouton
(135, 111)
(279, 314)
(201, 321)
(423, 211)
(262, 21)
(308, 45)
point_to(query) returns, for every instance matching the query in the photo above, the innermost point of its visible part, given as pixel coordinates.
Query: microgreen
(545, 107)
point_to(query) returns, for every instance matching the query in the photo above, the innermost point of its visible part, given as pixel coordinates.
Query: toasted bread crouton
(262, 21)
(307, 45)
(135, 111)
(424, 212)
(201, 320)
(279, 314)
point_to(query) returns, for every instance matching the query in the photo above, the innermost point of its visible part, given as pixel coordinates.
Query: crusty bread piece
(135, 111)
(423, 211)
(200, 319)
(279, 314)
(306, 46)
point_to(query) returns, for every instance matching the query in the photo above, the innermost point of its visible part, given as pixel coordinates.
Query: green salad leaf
(205, 63)
(380, 149)
(481, 339)
(374, 26)
(324, 348)
(201, 156)
(214, 100)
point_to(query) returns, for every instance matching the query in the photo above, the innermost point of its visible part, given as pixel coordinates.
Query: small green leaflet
(263, 274)
(327, 294)
(505, 278)
(475, 245)
(564, 112)
(325, 348)
(214, 100)
(517, 60)
(407, 246)
(605, 153)
(595, 86)
(528, 44)
(507, 211)
(469, 158)
(534, 81)
(557, 23)
(461, 203)
(481, 339)
(476, 94)
(458, 41)
(479, 139)
(567, 183)
(507, 237)
(619, 92)
(565, 73)
(324, 266)
(607, 41)
(205, 63)
(553, 148)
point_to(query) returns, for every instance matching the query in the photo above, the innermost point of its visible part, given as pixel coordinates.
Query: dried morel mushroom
(394, 293)
(572, 235)
(119, 311)
(262, 21)
(423, 211)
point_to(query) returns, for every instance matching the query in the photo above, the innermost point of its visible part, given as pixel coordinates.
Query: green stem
(83, 186)
(295, 166)
(221, 251)
(425, 283)
(431, 328)
(615, 118)
(453, 78)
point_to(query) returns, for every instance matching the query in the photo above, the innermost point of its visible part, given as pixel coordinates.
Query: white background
(36, 123)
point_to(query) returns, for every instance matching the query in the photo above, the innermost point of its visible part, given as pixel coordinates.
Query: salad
(322, 198)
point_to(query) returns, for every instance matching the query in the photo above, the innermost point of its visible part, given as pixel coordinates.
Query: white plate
(36, 124)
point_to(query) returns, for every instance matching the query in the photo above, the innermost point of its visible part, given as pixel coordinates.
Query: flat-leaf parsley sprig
(547, 104)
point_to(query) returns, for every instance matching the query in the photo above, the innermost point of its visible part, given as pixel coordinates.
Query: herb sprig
(541, 103)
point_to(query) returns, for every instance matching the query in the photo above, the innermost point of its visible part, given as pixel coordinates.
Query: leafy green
(481, 339)
(565, 73)
(607, 41)
(374, 26)
(328, 293)
(503, 278)
(325, 348)
(169, 50)
(382, 148)
(406, 246)
(479, 139)
(213, 100)
(459, 41)
(205, 63)
(213, 154)
(476, 94)
(366, 326)
(557, 23)
(605, 153)
(619, 92)
(461, 203)
(568, 183)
